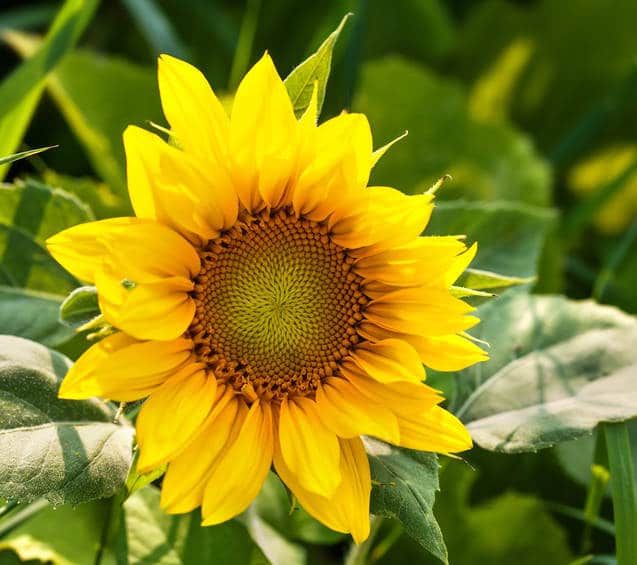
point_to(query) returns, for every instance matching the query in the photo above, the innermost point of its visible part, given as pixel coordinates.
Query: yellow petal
(460, 264)
(389, 361)
(80, 249)
(239, 471)
(160, 310)
(449, 352)
(348, 414)
(433, 430)
(309, 448)
(423, 261)
(420, 311)
(263, 137)
(383, 218)
(185, 479)
(337, 168)
(397, 396)
(170, 186)
(173, 414)
(347, 510)
(441, 353)
(194, 113)
(124, 369)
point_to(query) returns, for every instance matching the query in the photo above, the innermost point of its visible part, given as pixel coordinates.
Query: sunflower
(269, 305)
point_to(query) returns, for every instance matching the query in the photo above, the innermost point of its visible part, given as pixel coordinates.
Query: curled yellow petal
(111, 368)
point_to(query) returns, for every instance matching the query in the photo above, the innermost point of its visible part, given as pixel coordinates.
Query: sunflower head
(270, 306)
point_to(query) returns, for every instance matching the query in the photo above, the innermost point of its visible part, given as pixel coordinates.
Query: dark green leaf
(20, 92)
(67, 451)
(405, 485)
(80, 307)
(486, 161)
(40, 210)
(557, 369)
(27, 264)
(509, 235)
(32, 315)
(316, 68)
(156, 27)
(509, 528)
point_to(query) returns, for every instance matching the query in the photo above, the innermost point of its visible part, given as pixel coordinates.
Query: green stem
(111, 524)
(624, 492)
(243, 51)
(21, 516)
(596, 491)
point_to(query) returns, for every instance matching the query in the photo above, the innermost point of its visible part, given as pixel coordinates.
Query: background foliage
(531, 107)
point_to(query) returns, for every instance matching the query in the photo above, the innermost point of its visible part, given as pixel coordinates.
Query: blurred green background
(532, 102)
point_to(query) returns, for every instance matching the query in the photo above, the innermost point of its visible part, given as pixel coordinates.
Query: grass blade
(624, 492)
(23, 155)
(21, 90)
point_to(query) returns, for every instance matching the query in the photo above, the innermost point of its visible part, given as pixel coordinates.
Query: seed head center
(277, 305)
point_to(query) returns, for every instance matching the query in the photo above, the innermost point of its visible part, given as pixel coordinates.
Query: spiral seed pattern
(277, 305)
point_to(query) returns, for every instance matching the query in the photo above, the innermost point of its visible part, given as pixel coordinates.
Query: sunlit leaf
(33, 315)
(67, 451)
(315, 69)
(557, 369)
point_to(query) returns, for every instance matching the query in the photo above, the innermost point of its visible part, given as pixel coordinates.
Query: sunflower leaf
(315, 69)
(557, 369)
(33, 315)
(65, 451)
(404, 486)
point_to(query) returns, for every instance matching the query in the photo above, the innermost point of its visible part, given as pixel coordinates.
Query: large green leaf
(510, 235)
(99, 96)
(76, 543)
(20, 92)
(30, 212)
(486, 161)
(148, 535)
(33, 315)
(314, 70)
(405, 484)
(557, 369)
(27, 264)
(39, 209)
(66, 451)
